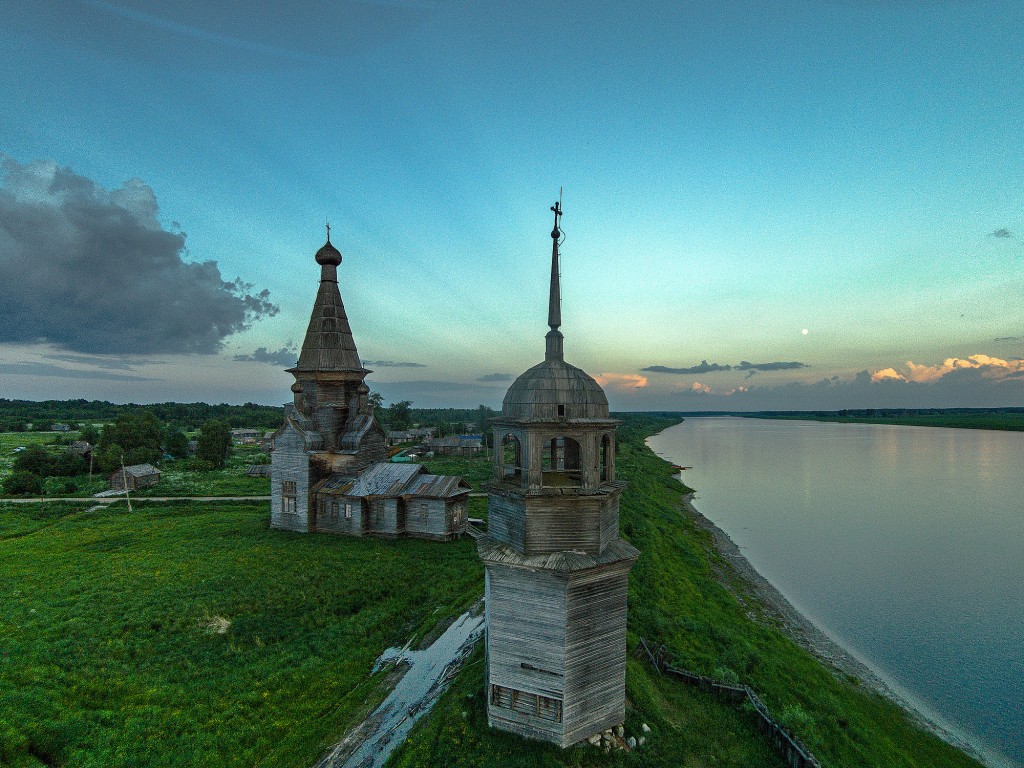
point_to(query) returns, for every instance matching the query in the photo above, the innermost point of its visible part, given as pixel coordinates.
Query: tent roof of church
(329, 345)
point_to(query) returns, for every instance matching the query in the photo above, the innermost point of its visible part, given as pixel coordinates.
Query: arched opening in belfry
(561, 462)
(511, 458)
(605, 459)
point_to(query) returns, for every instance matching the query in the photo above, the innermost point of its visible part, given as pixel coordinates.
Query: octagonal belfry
(556, 568)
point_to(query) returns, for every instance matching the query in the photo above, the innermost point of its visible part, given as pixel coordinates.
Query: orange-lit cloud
(887, 373)
(621, 381)
(992, 367)
(698, 387)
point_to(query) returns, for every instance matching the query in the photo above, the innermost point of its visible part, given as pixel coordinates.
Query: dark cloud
(1008, 338)
(49, 369)
(285, 357)
(392, 364)
(91, 270)
(746, 366)
(1001, 232)
(706, 367)
(497, 377)
(108, 363)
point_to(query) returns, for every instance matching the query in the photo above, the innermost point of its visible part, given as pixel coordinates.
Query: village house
(81, 448)
(327, 462)
(134, 477)
(459, 445)
(245, 436)
(60, 427)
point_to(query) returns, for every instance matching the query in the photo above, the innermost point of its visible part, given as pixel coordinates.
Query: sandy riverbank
(810, 637)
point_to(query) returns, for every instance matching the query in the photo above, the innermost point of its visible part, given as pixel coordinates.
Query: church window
(288, 495)
(348, 510)
(561, 411)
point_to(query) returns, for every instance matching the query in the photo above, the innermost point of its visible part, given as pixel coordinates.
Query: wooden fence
(786, 744)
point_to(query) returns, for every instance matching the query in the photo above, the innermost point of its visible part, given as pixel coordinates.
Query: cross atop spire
(328, 225)
(554, 336)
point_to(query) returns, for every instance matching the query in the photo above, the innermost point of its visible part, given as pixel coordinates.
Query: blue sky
(734, 174)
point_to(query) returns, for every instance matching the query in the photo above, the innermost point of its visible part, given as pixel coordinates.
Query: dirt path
(105, 500)
(427, 675)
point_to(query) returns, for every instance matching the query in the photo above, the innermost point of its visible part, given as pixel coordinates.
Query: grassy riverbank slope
(684, 594)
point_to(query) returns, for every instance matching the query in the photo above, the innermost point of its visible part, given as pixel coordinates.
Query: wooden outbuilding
(134, 477)
(556, 570)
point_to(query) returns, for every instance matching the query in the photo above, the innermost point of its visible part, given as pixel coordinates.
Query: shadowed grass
(192, 635)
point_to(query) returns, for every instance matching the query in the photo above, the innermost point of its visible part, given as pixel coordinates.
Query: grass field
(189, 634)
(175, 480)
(684, 594)
(192, 635)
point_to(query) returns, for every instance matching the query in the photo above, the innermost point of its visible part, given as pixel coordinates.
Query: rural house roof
(139, 470)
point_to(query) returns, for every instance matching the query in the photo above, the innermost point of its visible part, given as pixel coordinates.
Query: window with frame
(288, 496)
(543, 707)
(348, 510)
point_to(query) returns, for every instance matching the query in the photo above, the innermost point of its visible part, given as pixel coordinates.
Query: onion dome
(328, 254)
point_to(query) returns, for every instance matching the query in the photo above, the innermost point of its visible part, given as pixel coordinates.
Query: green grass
(477, 470)
(684, 594)
(21, 519)
(110, 655)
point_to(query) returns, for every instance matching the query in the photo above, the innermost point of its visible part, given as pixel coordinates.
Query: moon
(804, 331)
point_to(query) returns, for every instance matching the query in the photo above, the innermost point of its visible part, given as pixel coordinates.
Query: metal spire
(554, 336)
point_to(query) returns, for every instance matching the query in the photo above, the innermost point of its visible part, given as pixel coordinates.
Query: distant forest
(21, 415)
(16, 415)
(1011, 419)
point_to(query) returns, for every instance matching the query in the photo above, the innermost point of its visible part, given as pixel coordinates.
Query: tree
(214, 442)
(137, 434)
(35, 460)
(67, 464)
(379, 411)
(176, 443)
(23, 483)
(90, 434)
(398, 416)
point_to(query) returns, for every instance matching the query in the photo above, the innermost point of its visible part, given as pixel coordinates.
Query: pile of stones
(616, 738)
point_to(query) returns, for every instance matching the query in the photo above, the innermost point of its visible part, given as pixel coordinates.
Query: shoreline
(813, 639)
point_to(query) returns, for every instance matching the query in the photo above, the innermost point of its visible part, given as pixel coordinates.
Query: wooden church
(328, 470)
(556, 569)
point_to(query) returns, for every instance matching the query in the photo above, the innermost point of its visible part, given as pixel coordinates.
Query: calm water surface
(906, 544)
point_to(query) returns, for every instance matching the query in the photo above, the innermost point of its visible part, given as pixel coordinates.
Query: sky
(768, 205)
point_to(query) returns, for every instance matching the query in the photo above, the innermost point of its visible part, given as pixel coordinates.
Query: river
(905, 544)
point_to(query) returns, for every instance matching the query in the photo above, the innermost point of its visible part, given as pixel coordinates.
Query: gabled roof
(306, 428)
(437, 486)
(394, 480)
(385, 479)
(138, 470)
